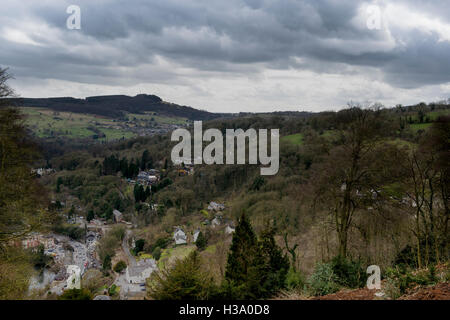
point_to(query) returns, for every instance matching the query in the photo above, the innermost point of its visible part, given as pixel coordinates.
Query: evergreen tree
(90, 215)
(275, 264)
(242, 256)
(139, 193)
(147, 193)
(145, 160)
(255, 269)
(185, 281)
(201, 241)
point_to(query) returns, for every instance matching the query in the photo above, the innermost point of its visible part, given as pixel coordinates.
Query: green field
(153, 117)
(170, 255)
(296, 139)
(420, 126)
(432, 115)
(46, 123)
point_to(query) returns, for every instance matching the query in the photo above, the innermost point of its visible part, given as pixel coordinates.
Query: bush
(107, 263)
(295, 280)
(120, 266)
(110, 242)
(323, 281)
(76, 294)
(138, 246)
(162, 243)
(184, 281)
(73, 232)
(404, 278)
(93, 280)
(156, 253)
(349, 273)
(112, 290)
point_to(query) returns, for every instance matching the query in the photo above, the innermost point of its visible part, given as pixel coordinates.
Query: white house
(139, 273)
(179, 236)
(102, 297)
(217, 221)
(214, 206)
(196, 233)
(229, 229)
(117, 215)
(147, 178)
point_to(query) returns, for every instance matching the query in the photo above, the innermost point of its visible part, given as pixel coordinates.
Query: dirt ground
(440, 291)
(349, 294)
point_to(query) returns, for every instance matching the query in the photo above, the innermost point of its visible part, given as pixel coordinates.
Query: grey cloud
(224, 36)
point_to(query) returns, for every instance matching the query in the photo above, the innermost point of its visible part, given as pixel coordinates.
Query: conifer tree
(243, 251)
(201, 241)
(255, 268)
(275, 264)
(185, 280)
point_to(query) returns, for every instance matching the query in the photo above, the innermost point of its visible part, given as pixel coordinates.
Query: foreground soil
(440, 291)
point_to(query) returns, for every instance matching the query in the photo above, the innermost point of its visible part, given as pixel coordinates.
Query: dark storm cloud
(241, 36)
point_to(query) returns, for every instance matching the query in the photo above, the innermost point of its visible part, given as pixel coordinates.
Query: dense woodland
(366, 185)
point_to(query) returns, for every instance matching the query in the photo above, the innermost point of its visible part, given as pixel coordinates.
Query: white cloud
(18, 36)
(404, 18)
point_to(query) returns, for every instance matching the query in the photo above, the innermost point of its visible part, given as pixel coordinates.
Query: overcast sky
(232, 55)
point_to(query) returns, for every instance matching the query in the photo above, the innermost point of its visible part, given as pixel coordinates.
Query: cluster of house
(91, 246)
(214, 206)
(180, 237)
(42, 171)
(141, 271)
(36, 239)
(146, 178)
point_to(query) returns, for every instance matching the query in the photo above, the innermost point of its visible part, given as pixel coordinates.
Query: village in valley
(72, 259)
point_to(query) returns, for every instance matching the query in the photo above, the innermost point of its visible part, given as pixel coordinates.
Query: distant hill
(114, 106)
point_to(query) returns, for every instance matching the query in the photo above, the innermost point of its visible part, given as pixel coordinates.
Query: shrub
(156, 253)
(349, 273)
(323, 281)
(205, 213)
(76, 294)
(73, 232)
(112, 290)
(107, 262)
(93, 280)
(295, 280)
(184, 281)
(404, 278)
(162, 243)
(120, 266)
(138, 246)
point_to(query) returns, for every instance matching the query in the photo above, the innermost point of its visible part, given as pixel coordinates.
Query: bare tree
(349, 178)
(426, 185)
(5, 90)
